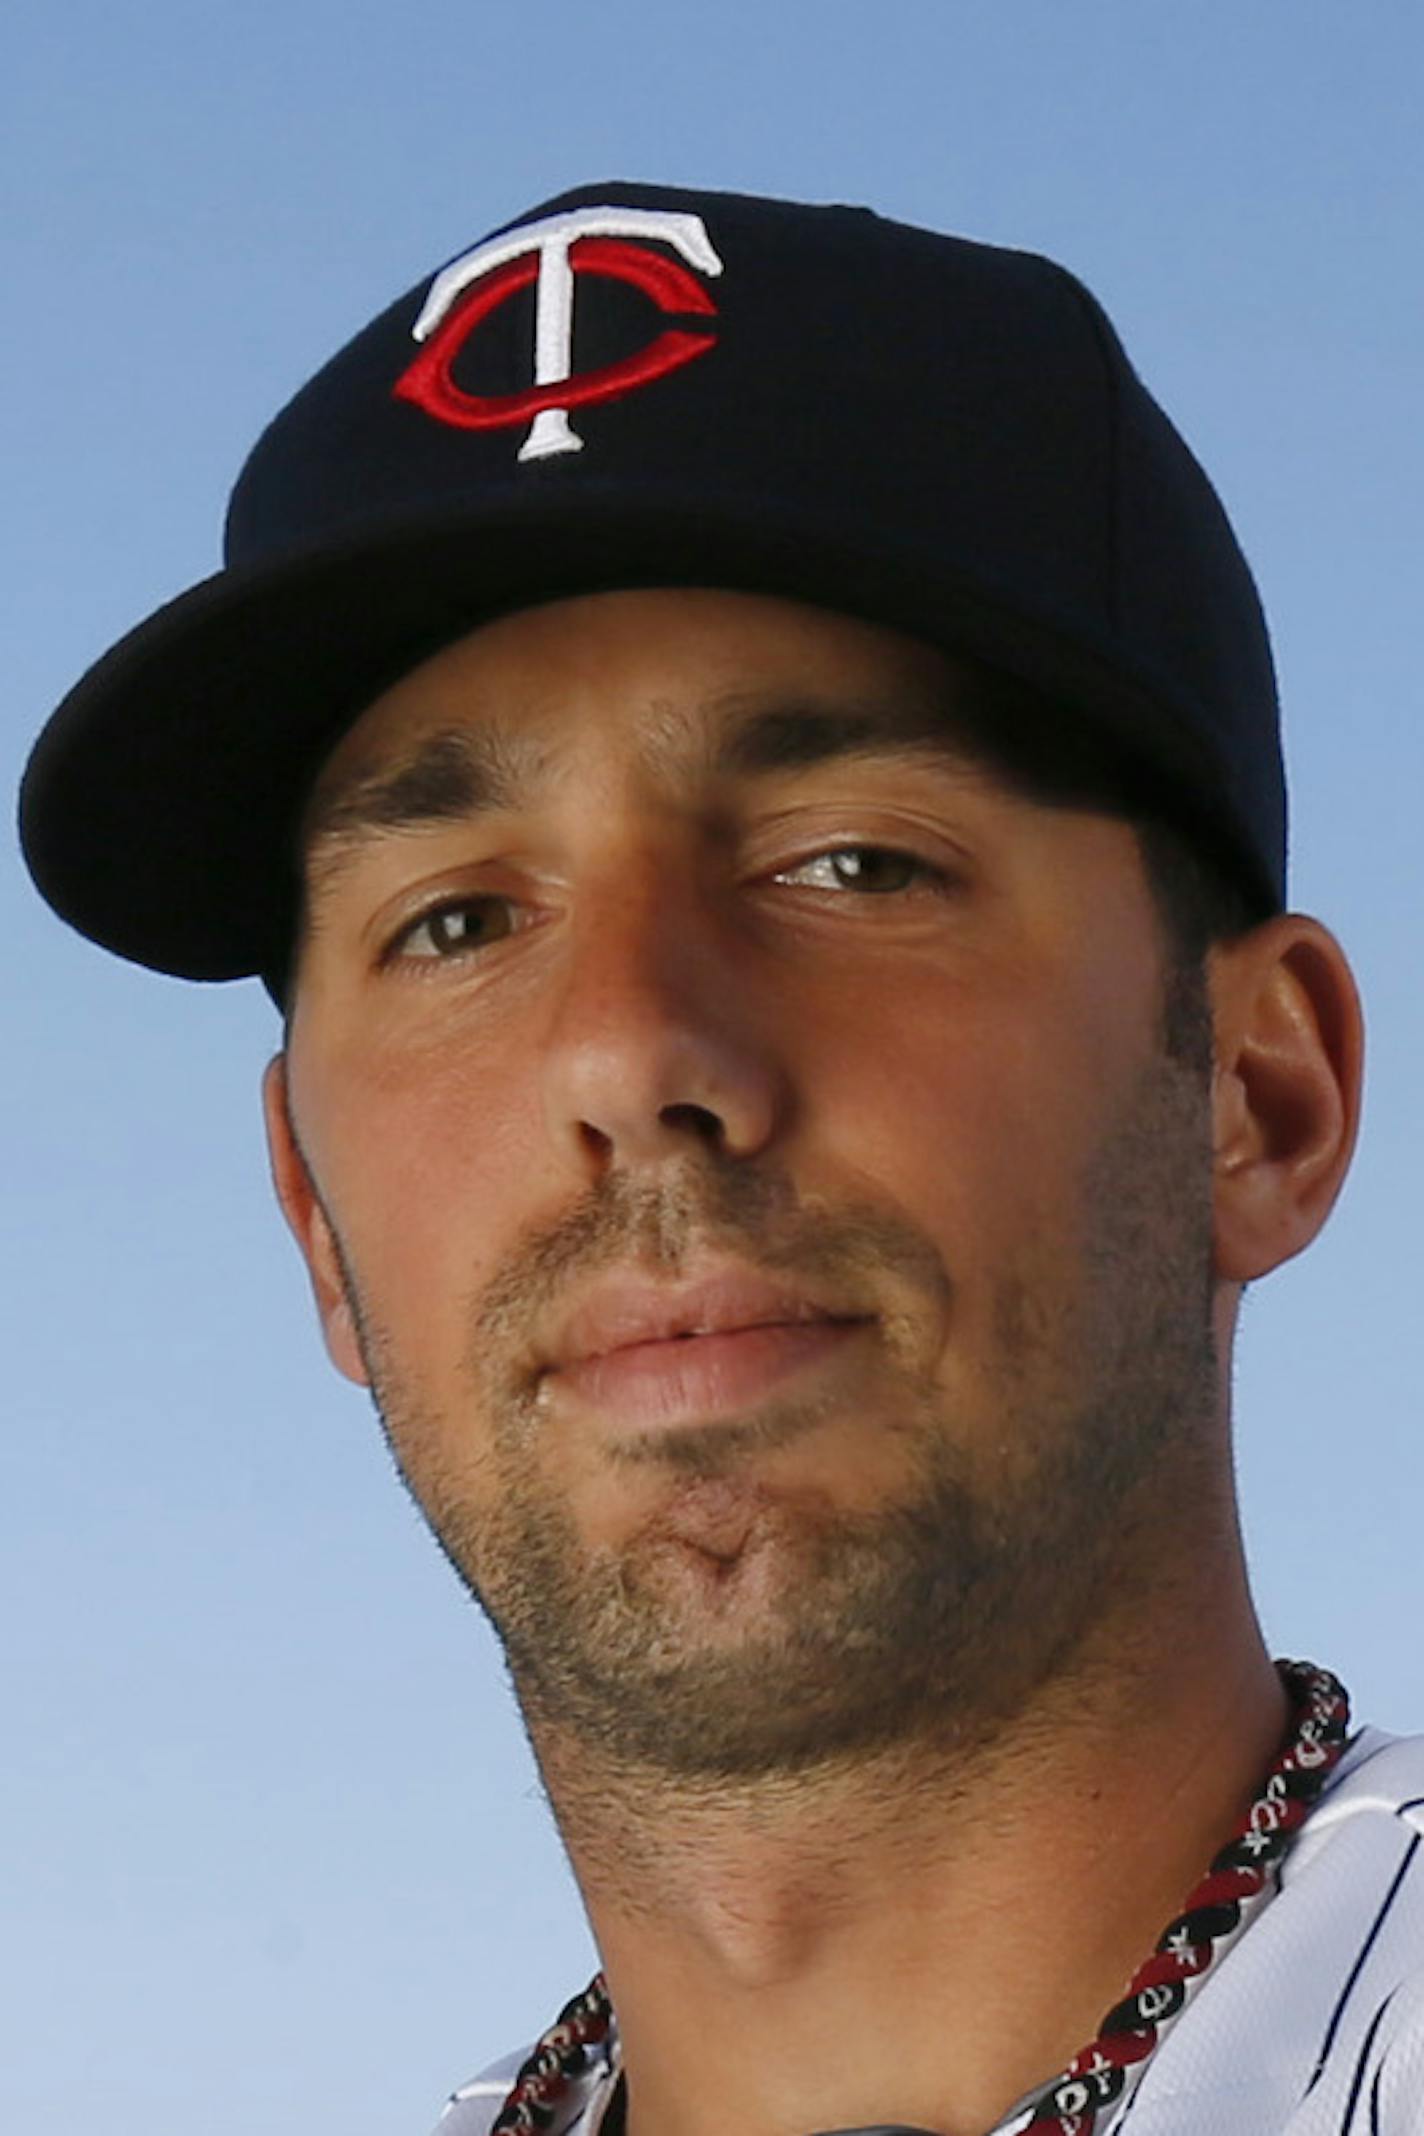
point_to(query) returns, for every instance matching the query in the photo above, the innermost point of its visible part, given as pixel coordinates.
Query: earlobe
(1286, 1090)
(310, 1227)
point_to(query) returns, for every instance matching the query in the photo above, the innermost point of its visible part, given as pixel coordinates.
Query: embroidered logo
(552, 254)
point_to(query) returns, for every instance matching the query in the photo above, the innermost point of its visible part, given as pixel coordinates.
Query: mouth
(652, 1355)
(694, 1377)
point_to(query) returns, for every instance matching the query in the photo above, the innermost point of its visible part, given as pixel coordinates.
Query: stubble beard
(933, 1620)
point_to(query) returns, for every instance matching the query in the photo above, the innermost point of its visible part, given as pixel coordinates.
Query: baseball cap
(641, 386)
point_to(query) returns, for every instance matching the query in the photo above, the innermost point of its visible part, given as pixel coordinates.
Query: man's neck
(926, 1936)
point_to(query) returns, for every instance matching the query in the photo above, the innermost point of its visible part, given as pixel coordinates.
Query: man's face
(777, 1239)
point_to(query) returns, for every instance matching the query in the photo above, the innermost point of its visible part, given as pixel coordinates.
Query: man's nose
(660, 1038)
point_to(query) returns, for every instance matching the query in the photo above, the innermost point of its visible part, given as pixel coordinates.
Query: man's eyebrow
(449, 776)
(457, 774)
(799, 736)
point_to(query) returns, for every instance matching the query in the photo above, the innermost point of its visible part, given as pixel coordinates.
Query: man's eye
(869, 869)
(451, 930)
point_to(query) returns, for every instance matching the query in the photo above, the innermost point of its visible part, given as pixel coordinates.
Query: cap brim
(160, 808)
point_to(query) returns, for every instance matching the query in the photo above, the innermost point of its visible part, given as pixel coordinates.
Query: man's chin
(723, 1567)
(734, 1638)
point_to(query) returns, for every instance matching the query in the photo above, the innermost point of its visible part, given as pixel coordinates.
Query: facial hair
(933, 1618)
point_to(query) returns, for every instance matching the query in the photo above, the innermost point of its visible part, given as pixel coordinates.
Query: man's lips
(657, 1354)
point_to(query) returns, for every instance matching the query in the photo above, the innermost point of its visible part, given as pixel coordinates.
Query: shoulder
(1380, 1771)
(1368, 1826)
(1352, 1889)
(1359, 1880)
(1393, 2089)
(1316, 2016)
(471, 2110)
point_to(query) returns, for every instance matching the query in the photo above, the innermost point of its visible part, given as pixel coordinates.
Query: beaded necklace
(1095, 2078)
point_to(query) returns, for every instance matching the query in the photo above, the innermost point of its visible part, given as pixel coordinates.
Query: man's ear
(1286, 1090)
(310, 1227)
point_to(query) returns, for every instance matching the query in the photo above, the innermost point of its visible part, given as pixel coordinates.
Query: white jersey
(1310, 2024)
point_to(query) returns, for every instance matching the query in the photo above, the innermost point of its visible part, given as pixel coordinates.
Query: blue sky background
(274, 1857)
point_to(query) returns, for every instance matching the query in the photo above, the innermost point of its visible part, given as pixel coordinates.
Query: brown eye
(871, 870)
(454, 929)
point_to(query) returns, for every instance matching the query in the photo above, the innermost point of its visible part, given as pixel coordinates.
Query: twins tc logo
(553, 253)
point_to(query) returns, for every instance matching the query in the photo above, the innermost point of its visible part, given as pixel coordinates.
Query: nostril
(697, 1119)
(598, 1144)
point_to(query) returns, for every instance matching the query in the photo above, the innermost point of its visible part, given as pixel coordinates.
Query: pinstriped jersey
(1311, 2022)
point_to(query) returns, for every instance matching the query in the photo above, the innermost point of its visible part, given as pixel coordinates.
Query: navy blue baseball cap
(637, 386)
